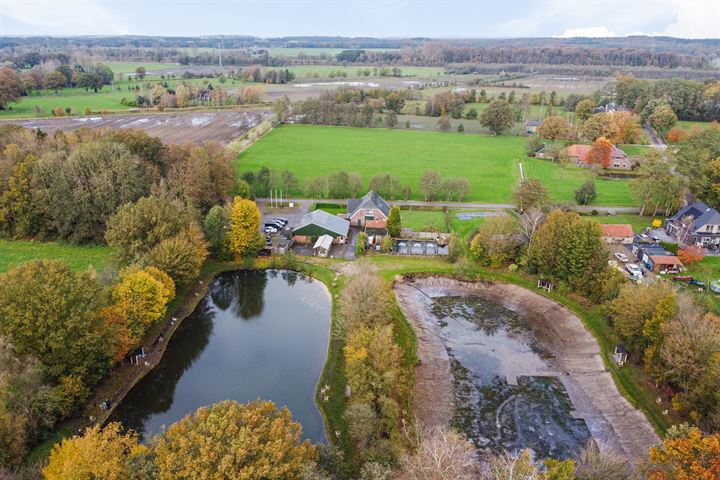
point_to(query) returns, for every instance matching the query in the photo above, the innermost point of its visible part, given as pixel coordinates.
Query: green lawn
(562, 181)
(332, 208)
(687, 124)
(424, 220)
(634, 150)
(129, 67)
(79, 257)
(464, 227)
(490, 164)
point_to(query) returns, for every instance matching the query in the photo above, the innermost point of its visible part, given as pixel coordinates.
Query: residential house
(371, 207)
(619, 233)
(618, 159)
(318, 223)
(696, 223)
(323, 245)
(531, 126)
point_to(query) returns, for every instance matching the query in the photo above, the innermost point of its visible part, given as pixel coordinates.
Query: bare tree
(530, 221)
(441, 455)
(592, 464)
(511, 467)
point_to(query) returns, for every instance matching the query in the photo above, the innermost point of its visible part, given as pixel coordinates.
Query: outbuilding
(322, 246)
(318, 223)
(664, 263)
(618, 233)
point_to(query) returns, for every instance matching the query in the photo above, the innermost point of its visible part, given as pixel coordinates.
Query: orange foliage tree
(600, 152)
(685, 454)
(690, 255)
(676, 134)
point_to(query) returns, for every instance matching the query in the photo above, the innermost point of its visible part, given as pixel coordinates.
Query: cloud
(81, 17)
(601, 32)
(694, 19)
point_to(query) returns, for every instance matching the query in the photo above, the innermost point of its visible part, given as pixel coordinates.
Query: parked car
(282, 220)
(634, 270)
(269, 229)
(697, 283)
(622, 257)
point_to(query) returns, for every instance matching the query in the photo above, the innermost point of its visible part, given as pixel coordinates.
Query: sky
(371, 18)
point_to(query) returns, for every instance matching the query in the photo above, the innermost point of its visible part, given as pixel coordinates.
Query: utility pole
(220, 53)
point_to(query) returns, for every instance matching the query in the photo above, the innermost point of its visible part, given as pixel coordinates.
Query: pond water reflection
(257, 334)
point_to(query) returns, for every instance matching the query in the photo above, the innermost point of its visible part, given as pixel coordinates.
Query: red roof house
(618, 233)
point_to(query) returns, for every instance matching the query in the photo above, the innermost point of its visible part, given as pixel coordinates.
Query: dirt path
(613, 422)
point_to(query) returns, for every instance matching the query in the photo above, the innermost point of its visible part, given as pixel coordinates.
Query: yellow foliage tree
(232, 441)
(686, 454)
(244, 236)
(105, 453)
(139, 301)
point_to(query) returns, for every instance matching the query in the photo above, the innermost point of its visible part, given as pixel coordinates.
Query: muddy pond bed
(257, 334)
(505, 397)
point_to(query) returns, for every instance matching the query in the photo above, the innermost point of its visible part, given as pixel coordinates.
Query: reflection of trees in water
(154, 393)
(245, 290)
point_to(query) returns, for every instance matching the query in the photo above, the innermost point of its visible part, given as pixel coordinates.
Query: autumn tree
(497, 116)
(10, 86)
(394, 222)
(634, 308)
(657, 186)
(215, 228)
(676, 134)
(355, 310)
(554, 128)
(584, 109)
(54, 80)
(569, 249)
(496, 242)
(662, 119)
(182, 95)
(594, 464)
(600, 153)
(51, 313)
(136, 228)
(105, 453)
(690, 255)
(252, 440)
(139, 301)
(685, 454)
(180, 256)
(530, 193)
(244, 236)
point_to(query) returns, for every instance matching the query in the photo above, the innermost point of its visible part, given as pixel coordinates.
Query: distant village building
(372, 207)
(618, 159)
(618, 234)
(318, 223)
(531, 126)
(695, 223)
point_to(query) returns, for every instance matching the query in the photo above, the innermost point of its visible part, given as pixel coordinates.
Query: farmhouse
(695, 223)
(371, 207)
(621, 233)
(531, 126)
(618, 159)
(318, 223)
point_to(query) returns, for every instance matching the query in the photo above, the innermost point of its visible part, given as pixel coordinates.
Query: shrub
(361, 244)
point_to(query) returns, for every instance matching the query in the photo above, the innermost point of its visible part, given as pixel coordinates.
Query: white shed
(322, 246)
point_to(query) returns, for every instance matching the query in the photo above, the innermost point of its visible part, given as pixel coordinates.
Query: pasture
(424, 220)
(489, 163)
(80, 257)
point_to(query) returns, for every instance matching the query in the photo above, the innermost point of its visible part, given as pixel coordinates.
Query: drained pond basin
(512, 369)
(257, 334)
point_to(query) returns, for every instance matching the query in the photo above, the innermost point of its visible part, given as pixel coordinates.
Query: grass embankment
(489, 163)
(630, 380)
(79, 257)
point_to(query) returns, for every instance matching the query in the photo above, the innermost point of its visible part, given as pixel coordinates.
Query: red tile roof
(376, 224)
(581, 152)
(617, 230)
(665, 260)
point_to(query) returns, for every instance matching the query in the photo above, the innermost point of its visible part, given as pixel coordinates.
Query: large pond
(257, 334)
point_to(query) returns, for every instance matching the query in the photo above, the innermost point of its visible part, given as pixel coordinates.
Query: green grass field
(635, 150)
(79, 257)
(305, 72)
(129, 67)
(424, 220)
(562, 181)
(687, 125)
(294, 52)
(490, 164)
(464, 228)
(638, 222)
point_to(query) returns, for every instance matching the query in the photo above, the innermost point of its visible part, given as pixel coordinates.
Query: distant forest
(459, 55)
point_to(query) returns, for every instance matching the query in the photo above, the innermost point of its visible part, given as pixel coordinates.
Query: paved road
(308, 202)
(656, 142)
